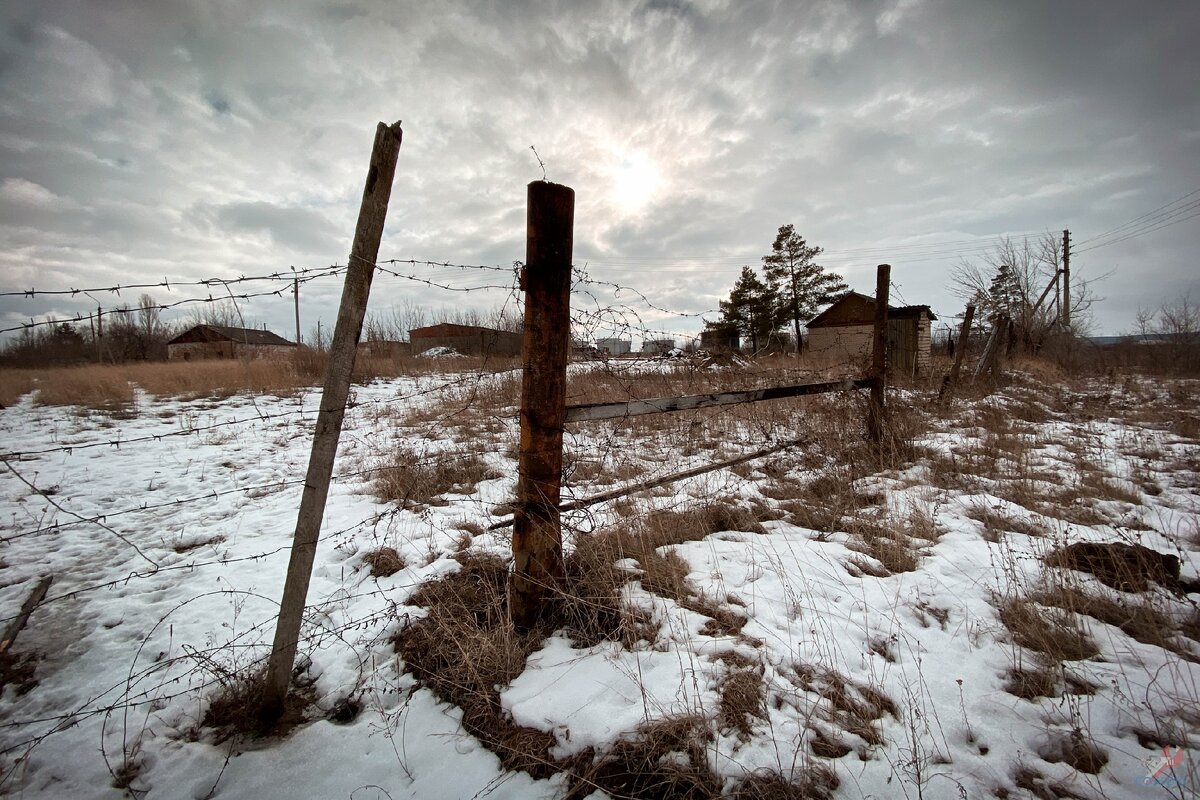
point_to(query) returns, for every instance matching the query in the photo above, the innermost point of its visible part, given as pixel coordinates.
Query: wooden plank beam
(635, 408)
(641, 486)
(27, 608)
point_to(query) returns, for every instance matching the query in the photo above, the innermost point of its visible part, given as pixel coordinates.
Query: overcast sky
(188, 140)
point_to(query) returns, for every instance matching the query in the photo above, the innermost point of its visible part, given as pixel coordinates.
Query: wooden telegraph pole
(296, 295)
(877, 409)
(537, 537)
(1066, 296)
(355, 291)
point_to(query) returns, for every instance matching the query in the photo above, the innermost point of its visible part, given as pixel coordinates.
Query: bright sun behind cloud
(635, 179)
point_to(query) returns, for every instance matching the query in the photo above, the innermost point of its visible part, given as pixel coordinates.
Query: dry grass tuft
(1128, 567)
(888, 544)
(823, 503)
(1038, 786)
(233, 710)
(1030, 684)
(853, 707)
(826, 745)
(1076, 751)
(464, 649)
(1138, 620)
(1051, 632)
(741, 701)
(383, 562)
(1042, 681)
(593, 572)
(188, 544)
(667, 759)
(412, 480)
(18, 671)
(815, 783)
(1098, 485)
(996, 523)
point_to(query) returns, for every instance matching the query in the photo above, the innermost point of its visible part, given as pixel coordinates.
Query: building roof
(451, 329)
(866, 313)
(239, 335)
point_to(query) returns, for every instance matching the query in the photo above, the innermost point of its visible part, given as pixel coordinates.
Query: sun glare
(635, 179)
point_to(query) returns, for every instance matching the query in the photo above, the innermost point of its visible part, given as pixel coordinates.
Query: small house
(469, 340)
(220, 341)
(844, 332)
(658, 347)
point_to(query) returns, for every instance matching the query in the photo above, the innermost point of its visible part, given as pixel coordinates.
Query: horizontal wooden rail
(636, 408)
(641, 486)
(27, 608)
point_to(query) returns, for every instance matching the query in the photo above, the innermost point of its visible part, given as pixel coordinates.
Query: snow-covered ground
(168, 550)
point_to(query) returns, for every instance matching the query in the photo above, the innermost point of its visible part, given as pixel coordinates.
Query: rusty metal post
(537, 537)
(877, 409)
(360, 269)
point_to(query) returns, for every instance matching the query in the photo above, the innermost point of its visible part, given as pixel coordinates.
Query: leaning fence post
(991, 352)
(964, 335)
(877, 409)
(537, 537)
(342, 350)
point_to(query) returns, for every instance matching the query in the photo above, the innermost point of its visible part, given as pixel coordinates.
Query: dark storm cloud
(217, 138)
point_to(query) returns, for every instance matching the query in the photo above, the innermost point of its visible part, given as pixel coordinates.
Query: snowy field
(868, 631)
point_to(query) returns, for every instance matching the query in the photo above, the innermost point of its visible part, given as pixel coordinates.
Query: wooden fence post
(964, 334)
(537, 537)
(991, 352)
(355, 291)
(877, 409)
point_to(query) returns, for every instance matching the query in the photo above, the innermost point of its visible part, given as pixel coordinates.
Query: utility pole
(296, 294)
(1066, 296)
(99, 334)
(876, 408)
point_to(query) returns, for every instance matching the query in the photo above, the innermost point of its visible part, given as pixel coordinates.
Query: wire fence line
(190, 673)
(388, 267)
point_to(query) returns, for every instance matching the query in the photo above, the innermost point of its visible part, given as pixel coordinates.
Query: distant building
(719, 340)
(384, 348)
(658, 346)
(470, 340)
(614, 347)
(844, 331)
(219, 341)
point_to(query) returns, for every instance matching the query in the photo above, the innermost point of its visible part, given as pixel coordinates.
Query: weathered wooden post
(877, 409)
(964, 334)
(371, 215)
(537, 537)
(991, 352)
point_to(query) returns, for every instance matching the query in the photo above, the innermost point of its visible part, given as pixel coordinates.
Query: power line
(1159, 224)
(1142, 217)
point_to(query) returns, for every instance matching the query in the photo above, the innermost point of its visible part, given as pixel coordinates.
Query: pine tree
(1004, 295)
(750, 309)
(800, 285)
